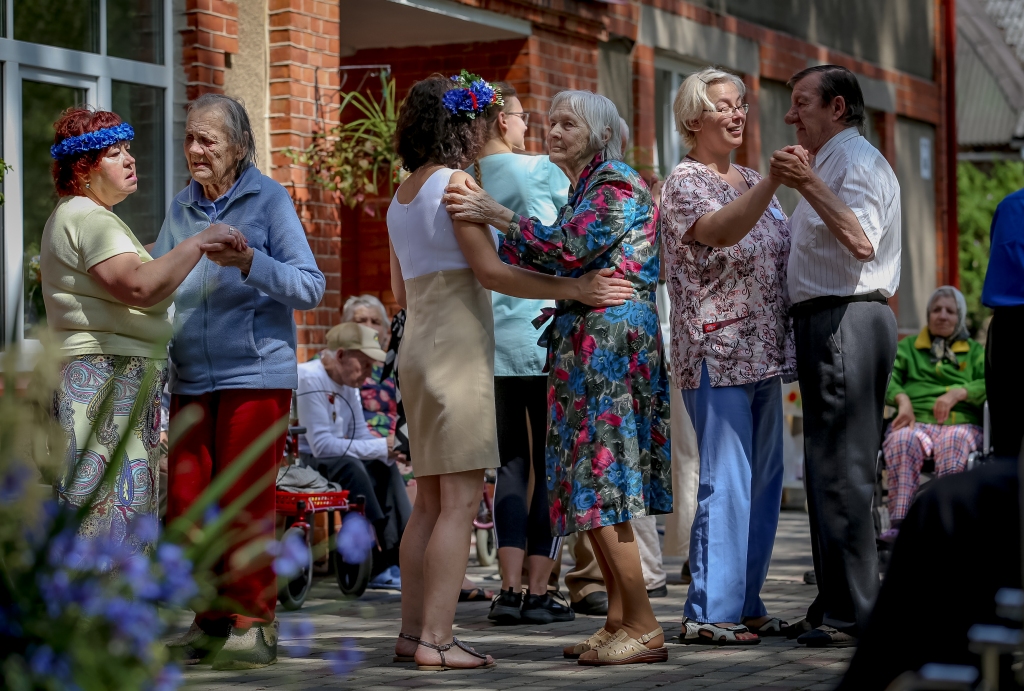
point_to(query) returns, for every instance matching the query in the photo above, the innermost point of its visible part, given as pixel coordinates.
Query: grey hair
(624, 132)
(348, 312)
(692, 99)
(599, 115)
(960, 333)
(236, 122)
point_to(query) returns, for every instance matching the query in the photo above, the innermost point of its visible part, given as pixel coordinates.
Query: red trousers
(232, 420)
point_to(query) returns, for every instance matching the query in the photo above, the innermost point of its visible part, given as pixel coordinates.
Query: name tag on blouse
(779, 216)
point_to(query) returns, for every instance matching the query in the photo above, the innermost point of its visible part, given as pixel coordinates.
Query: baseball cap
(352, 336)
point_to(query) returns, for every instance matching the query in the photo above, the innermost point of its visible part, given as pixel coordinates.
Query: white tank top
(422, 233)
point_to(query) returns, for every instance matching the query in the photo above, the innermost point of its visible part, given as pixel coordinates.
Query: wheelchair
(880, 507)
(298, 511)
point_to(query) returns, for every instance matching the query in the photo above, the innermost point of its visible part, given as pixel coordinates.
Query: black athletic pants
(1004, 379)
(514, 524)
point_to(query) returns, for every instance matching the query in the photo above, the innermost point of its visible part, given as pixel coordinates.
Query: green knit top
(923, 381)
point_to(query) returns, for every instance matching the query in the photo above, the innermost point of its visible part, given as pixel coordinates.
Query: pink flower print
(587, 348)
(602, 459)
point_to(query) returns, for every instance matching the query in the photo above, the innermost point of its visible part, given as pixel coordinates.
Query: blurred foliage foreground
(79, 613)
(980, 188)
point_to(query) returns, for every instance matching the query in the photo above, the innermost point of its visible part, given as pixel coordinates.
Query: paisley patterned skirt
(99, 401)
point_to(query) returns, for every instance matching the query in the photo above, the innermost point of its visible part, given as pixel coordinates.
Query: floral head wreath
(90, 141)
(473, 97)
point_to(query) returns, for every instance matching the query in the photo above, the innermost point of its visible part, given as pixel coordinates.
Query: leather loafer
(595, 604)
(826, 637)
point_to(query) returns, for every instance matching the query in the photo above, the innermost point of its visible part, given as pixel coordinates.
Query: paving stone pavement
(529, 657)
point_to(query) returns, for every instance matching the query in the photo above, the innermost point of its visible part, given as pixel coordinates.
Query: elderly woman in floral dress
(607, 443)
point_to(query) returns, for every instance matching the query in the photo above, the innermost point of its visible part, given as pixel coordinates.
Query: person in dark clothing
(973, 518)
(1004, 293)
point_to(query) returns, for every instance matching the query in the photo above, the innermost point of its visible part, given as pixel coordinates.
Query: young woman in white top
(442, 272)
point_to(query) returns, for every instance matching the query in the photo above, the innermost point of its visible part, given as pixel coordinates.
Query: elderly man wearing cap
(339, 445)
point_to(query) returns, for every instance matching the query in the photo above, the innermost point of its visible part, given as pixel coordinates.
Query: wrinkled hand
(656, 185)
(598, 289)
(791, 167)
(905, 416)
(945, 403)
(220, 236)
(229, 256)
(471, 204)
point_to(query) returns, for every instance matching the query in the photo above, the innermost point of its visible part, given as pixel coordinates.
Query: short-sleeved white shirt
(819, 264)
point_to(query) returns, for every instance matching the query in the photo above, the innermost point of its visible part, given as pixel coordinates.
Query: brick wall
(208, 43)
(304, 61)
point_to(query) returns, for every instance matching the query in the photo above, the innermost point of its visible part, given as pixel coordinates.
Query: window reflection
(143, 107)
(135, 30)
(41, 106)
(70, 24)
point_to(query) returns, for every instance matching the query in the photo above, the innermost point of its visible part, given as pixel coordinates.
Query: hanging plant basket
(357, 158)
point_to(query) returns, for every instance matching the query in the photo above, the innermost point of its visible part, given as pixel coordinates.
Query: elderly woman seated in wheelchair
(938, 386)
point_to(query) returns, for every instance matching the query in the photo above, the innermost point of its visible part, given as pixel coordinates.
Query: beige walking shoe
(598, 639)
(625, 650)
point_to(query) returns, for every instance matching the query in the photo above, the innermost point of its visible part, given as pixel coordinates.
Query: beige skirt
(446, 373)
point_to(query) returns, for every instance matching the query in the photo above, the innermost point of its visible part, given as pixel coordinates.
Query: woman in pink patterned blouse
(727, 245)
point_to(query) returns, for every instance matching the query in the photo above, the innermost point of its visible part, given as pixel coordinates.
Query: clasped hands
(225, 245)
(792, 166)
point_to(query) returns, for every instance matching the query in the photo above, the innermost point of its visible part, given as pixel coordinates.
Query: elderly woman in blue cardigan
(232, 358)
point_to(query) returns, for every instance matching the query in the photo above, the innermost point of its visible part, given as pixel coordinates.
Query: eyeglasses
(525, 117)
(729, 110)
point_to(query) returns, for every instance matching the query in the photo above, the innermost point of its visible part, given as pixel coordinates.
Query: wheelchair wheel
(486, 547)
(292, 594)
(352, 578)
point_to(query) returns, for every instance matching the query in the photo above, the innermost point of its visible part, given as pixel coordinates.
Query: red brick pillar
(644, 123)
(208, 43)
(304, 54)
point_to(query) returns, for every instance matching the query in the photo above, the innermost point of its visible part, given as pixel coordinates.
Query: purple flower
(346, 658)
(45, 663)
(291, 555)
(14, 482)
(356, 538)
(177, 586)
(167, 679)
(297, 630)
(134, 623)
(146, 529)
(211, 514)
(137, 573)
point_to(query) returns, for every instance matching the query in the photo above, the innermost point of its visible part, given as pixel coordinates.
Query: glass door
(43, 99)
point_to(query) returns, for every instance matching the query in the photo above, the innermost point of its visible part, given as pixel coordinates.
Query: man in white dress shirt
(339, 445)
(843, 266)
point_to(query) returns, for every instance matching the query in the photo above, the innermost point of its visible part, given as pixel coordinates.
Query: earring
(87, 185)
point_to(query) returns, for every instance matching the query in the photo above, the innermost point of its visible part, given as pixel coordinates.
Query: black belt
(818, 304)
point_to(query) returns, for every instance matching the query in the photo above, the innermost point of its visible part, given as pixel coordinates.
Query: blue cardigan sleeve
(288, 273)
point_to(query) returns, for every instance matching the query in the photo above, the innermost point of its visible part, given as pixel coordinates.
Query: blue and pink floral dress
(607, 447)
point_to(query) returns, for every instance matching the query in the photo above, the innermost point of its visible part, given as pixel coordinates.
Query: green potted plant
(357, 158)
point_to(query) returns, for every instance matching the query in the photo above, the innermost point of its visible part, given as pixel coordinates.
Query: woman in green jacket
(938, 385)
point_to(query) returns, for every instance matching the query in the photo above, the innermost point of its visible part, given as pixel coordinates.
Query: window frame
(93, 71)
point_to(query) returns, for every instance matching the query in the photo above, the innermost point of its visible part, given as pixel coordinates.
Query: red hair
(73, 122)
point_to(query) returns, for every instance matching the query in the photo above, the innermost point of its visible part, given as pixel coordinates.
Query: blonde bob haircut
(692, 99)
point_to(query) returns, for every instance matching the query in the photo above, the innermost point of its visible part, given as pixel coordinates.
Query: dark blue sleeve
(1003, 284)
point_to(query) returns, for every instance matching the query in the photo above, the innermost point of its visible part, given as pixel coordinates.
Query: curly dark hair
(427, 133)
(73, 122)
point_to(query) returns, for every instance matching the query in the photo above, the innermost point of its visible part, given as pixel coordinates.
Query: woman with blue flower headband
(106, 300)
(442, 272)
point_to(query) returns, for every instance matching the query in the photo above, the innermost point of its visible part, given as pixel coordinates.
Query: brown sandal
(624, 650)
(595, 641)
(442, 649)
(406, 658)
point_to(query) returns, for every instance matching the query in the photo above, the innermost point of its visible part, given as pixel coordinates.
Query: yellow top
(79, 235)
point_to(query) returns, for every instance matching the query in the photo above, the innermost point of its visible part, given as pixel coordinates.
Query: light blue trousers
(739, 435)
